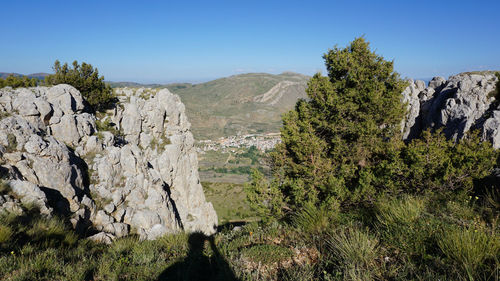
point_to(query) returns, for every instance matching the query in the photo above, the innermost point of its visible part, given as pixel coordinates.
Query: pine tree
(86, 79)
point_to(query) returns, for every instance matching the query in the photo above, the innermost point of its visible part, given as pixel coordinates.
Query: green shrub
(84, 78)
(264, 197)
(16, 82)
(496, 92)
(332, 143)
(475, 250)
(433, 163)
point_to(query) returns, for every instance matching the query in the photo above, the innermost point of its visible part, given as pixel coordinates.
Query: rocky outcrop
(457, 105)
(137, 173)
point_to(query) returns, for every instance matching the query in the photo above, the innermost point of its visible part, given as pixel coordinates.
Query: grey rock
(109, 208)
(117, 229)
(491, 129)
(103, 237)
(11, 207)
(437, 82)
(154, 190)
(156, 232)
(30, 193)
(456, 105)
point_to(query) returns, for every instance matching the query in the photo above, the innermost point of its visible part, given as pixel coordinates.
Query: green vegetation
(253, 154)
(231, 166)
(344, 144)
(105, 124)
(354, 252)
(4, 187)
(18, 81)
(470, 249)
(229, 201)
(351, 246)
(267, 253)
(496, 93)
(84, 78)
(375, 207)
(160, 144)
(12, 143)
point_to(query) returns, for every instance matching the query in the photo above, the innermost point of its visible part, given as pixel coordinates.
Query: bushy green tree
(16, 82)
(344, 144)
(334, 143)
(86, 79)
(264, 197)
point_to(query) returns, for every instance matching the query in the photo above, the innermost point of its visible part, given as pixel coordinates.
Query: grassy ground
(408, 238)
(230, 166)
(223, 176)
(229, 201)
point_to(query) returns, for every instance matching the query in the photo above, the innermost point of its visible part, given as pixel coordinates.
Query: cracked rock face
(139, 173)
(458, 105)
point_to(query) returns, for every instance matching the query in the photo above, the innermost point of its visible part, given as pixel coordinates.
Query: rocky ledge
(132, 170)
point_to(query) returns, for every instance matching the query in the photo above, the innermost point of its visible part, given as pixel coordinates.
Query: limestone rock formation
(137, 173)
(461, 103)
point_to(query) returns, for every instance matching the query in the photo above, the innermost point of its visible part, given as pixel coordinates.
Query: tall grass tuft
(316, 219)
(403, 224)
(472, 249)
(354, 251)
(52, 232)
(406, 210)
(5, 233)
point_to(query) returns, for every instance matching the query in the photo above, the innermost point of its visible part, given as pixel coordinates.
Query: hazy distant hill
(133, 85)
(33, 75)
(246, 103)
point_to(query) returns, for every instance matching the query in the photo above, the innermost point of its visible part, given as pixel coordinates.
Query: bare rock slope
(137, 173)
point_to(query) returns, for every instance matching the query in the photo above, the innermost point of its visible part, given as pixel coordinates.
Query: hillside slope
(247, 103)
(40, 75)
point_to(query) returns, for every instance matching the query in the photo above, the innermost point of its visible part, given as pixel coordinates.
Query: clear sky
(193, 41)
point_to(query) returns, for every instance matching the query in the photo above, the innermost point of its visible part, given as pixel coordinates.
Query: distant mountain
(40, 76)
(133, 85)
(240, 104)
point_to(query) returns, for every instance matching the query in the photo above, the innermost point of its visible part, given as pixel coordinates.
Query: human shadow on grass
(198, 266)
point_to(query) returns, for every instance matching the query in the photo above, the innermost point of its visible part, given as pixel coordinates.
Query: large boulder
(139, 175)
(152, 180)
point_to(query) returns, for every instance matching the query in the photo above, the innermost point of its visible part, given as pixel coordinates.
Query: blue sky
(194, 41)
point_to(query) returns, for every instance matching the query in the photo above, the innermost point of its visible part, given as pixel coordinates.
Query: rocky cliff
(462, 103)
(132, 170)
